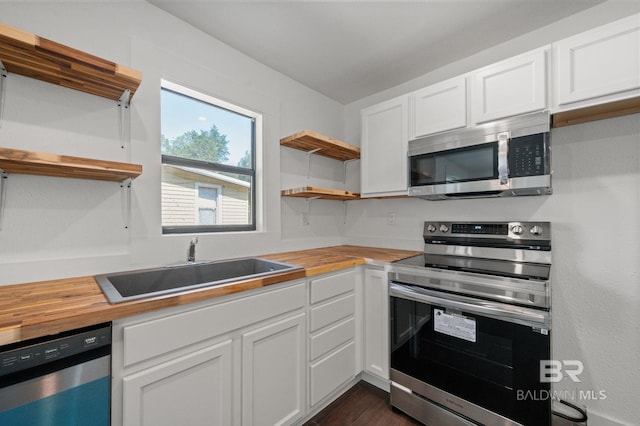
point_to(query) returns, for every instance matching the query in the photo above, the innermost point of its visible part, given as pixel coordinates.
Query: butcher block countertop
(48, 307)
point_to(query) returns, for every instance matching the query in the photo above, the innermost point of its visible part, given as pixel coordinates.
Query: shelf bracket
(126, 202)
(306, 215)
(3, 76)
(3, 193)
(309, 153)
(344, 212)
(344, 171)
(124, 118)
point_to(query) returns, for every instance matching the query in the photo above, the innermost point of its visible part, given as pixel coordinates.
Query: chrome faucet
(191, 252)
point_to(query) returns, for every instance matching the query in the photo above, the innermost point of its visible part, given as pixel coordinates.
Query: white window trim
(258, 187)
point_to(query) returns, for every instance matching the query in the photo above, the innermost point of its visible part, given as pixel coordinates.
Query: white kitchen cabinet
(332, 329)
(274, 373)
(234, 360)
(601, 62)
(385, 135)
(438, 108)
(194, 389)
(517, 85)
(376, 323)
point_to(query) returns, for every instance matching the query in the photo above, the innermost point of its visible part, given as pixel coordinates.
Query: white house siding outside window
(208, 163)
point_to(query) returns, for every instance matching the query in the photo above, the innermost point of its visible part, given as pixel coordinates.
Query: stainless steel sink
(124, 286)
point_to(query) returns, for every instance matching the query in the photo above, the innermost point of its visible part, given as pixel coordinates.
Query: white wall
(594, 212)
(56, 227)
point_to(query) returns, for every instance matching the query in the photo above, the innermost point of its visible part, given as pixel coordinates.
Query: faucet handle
(191, 251)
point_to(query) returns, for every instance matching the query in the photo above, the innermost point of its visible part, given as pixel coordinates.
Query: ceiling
(348, 50)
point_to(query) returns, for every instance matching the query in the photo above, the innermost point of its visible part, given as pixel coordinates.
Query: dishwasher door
(61, 380)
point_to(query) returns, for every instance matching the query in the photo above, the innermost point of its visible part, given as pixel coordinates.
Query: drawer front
(331, 338)
(333, 285)
(160, 336)
(329, 373)
(332, 311)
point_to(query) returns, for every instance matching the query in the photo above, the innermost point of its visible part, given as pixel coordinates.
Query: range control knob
(431, 227)
(517, 229)
(444, 228)
(536, 230)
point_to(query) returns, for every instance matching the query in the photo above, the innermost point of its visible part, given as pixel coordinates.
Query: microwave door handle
(503, 157)
(514, 314)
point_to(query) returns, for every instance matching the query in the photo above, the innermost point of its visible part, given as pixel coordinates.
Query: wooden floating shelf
(596, 112)
(43, 164)
(308, 140)
(36, 57)
(321, 193)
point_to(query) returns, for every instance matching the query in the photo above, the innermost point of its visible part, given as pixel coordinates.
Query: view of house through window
(208, 163)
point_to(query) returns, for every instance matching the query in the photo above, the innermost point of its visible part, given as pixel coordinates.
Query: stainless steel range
(470, 325)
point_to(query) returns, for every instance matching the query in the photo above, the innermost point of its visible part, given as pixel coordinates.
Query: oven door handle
(509, 313)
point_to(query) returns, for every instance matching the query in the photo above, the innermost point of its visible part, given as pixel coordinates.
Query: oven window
(479, 162)
(486, 365)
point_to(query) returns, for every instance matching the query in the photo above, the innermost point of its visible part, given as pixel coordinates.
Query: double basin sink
(124, 286)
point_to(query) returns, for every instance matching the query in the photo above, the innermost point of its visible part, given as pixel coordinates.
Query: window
(208, 163)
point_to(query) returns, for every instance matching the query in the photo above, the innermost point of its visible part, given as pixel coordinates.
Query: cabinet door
(438, 108)
(376, 323)
(273, 373)
(514, 86)
(383, 156)
(191, 390)
(599, 62)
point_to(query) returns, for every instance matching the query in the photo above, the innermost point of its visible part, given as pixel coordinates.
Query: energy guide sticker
(454, 325)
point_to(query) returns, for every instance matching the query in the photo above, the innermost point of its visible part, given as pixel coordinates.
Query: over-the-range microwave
(499, 159)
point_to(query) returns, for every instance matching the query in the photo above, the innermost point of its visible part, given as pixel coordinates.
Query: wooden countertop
(47, 307)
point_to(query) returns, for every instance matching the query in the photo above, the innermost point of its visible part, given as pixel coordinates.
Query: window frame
(216, 167)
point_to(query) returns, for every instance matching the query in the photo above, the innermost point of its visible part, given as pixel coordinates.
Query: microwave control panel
(529, 155)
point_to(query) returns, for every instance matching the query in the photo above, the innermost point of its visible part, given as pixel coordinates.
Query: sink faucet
(191, 252)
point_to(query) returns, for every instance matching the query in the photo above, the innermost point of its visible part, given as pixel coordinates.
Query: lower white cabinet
(239, 360)
(332, 330)
(194, 389)
(376, 323)
(273, 373)
(267, 357)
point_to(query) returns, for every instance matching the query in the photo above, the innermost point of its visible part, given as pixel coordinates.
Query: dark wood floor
(362, 405)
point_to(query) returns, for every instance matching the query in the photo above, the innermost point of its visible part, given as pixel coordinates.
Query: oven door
(479, 360)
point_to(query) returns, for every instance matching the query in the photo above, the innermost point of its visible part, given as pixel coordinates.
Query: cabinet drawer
(331, 286)
(331, 372)
(160, 336)
(332, 337)
(325, 314)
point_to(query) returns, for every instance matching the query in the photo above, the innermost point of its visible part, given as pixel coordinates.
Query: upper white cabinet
(438, 108)
(384, 148)
(600, 62)
(514, 86)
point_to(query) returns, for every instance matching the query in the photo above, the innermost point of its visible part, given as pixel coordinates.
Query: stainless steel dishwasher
(64, 379)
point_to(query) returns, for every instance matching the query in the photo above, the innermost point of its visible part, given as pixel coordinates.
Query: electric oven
(470, 325)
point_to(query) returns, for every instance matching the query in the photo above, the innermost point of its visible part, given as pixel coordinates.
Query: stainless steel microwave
(499, 159)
